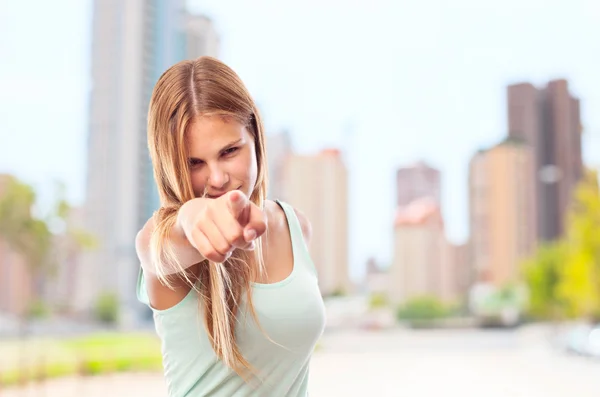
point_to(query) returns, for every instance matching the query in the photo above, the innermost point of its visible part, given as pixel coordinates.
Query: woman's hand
(215, 227)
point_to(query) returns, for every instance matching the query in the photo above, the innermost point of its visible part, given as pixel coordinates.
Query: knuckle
(197, 242)
(213, 255)
(209, 210)
(205, 250)
(261, 225)
(230, 238)
(223, 247)
(202, 217)
(234, 235)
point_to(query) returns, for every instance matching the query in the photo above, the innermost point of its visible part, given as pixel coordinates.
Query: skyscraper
(456, 277)
(502, 221)
(318, 186)
(279, 147)
(201, 37)
(419, 249)
(417, 181)
(133, 44)
(548, 119)
(191, 36)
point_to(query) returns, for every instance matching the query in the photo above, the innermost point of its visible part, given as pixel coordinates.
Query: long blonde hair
(189, 89)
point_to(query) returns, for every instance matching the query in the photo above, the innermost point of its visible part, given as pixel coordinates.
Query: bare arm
(205, 229)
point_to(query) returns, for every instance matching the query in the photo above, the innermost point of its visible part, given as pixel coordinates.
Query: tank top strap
(140, 290)
(299, 248)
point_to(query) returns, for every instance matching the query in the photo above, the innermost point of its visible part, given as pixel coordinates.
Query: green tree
(563, 277)
(23, 232)
(107, 308)
(31, 235)
(422, 308)
(542, 275)
(579, 285)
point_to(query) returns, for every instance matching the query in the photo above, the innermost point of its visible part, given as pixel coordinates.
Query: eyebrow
(231, 144)
(228, 146)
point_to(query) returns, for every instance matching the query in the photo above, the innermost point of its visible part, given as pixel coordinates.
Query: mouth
(217, 195)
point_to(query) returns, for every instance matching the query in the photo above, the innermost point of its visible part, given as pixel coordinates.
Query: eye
(195, 163)
(230, 151)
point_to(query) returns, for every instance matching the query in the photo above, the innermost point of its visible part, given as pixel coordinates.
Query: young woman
(226, 272)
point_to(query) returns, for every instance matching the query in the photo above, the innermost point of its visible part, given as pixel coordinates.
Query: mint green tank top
(291, 312)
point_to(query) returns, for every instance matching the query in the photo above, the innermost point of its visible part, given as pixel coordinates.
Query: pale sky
(390, 82)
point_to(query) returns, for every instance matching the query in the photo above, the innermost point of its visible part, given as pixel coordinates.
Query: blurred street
(398, 363)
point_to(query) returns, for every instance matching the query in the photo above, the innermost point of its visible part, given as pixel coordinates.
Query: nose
(218, 178)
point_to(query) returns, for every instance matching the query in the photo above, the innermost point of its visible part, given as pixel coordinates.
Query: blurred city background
(446, 153)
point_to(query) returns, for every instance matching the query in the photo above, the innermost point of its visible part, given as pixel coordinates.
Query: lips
(214, 196)
(217, 195)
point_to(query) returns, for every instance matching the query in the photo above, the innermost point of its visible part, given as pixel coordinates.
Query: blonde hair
(187, 90)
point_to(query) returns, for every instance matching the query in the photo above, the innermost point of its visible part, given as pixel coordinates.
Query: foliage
(542, 275)
(579, 286)
(31, 235)
(89, 355)
(26, 234)
(564, 277)
(378, 300)
(107, 308)
(339, 292)
(422, 308)
(38, 309)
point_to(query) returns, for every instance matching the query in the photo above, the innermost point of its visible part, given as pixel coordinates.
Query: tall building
(318, 186)
(548, 119)
(133, 44)
(417, 181)
(16, 281)
(502, 220)
(376, 279)
(191, 36)
(419, 249)
(201, 37)
(279, 147)
(455, 273)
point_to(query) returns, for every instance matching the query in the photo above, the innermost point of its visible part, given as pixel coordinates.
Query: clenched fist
(215, 227)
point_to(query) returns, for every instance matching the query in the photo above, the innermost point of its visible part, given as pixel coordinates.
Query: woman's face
(221, 156)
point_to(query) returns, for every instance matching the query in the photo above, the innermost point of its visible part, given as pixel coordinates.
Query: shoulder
(304, 224)
(278, 221)
(142, 239)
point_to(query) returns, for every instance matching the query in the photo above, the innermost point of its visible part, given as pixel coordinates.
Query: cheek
(252, 170)
(247, 169)
(197, 183)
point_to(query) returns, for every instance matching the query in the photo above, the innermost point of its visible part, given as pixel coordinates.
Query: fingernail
(252, 246)
(250, 235)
